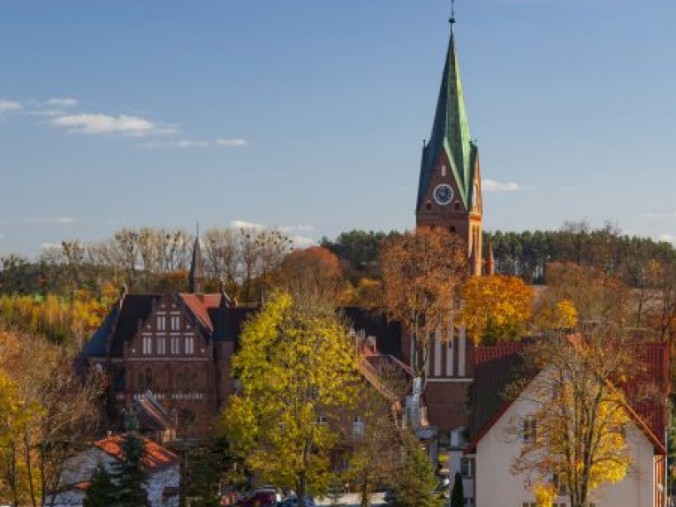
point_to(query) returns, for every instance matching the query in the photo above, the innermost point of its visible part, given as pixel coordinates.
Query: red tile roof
(496, 366)
(154, 458)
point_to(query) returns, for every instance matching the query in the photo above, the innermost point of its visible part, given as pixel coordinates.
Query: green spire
(450, 132)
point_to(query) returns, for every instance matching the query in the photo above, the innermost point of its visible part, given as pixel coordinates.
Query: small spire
(196, 275)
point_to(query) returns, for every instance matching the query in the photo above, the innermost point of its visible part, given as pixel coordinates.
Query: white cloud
(231, 142)
(7, 106)
(492, 186)
(63, 102)
(669, 237)
(98, 124)
(243, 224)
(189, 143)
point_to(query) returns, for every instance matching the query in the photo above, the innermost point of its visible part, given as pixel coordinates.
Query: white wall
(497, 487)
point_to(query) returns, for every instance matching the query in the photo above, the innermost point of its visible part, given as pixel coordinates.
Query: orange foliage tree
(313, 272)
(495, 308)
(422, 272)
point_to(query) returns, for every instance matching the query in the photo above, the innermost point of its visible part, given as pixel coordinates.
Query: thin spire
(452, 18)
(196, 275)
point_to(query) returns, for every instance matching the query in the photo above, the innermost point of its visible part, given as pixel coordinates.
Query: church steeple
(449, 190)
(196, 276)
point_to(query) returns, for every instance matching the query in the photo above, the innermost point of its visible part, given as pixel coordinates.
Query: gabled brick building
(178, 346)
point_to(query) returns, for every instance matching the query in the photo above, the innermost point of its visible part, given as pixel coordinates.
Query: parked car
(292, 501)
(262, 498)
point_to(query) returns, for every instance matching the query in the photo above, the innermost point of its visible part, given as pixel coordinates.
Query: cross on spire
(452, 19)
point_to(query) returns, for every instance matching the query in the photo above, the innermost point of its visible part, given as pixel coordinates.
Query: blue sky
(310, 114)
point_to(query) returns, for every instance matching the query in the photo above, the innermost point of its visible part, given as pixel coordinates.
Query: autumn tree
(596, 295)
(422, 273)
(55, 410)
(297, 370)
(495, 308)
(578, 421)
(313, 273)
(373, 439)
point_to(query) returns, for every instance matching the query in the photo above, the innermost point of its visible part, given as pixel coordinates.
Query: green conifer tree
(128, 474)
(415, 484)
(457, 493)
(100, 488)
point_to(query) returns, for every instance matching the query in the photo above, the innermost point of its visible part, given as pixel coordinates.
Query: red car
(259, 499)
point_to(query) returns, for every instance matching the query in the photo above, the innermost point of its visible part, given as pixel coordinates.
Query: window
(529, 504)
(443, 170)
(147, 345)
(175, 322)
(529, 430)
(161, 323)
(175, 345)
(189, 345)
(321, 419)
(161, 345)
(559, 482)
(467, 467)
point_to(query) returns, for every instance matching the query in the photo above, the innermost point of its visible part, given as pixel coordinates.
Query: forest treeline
(66, 290)
(154, 259)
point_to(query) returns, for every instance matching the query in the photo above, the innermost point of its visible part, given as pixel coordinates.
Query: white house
(161, 465)
(495, 444)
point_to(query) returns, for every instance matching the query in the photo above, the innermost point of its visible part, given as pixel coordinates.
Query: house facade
(501, 426)
(161, 465)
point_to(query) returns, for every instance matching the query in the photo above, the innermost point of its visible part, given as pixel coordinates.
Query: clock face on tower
(443, 194)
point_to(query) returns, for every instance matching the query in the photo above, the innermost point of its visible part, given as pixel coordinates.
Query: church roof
(450, 134)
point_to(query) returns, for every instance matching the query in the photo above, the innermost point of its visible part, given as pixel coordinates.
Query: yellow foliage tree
(496, 308)
(544, 494)
(298, 374)
(580, 420)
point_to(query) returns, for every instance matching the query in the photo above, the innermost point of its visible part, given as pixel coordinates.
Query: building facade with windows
(500, 425)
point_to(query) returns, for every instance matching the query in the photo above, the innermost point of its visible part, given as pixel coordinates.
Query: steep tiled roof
(96, 346)
(199, 306)
(134, 308)
(155, 457)
(495, 368)
(499, 366)
(151, 414)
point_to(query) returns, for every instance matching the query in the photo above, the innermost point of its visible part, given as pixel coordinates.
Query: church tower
(449, 191)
